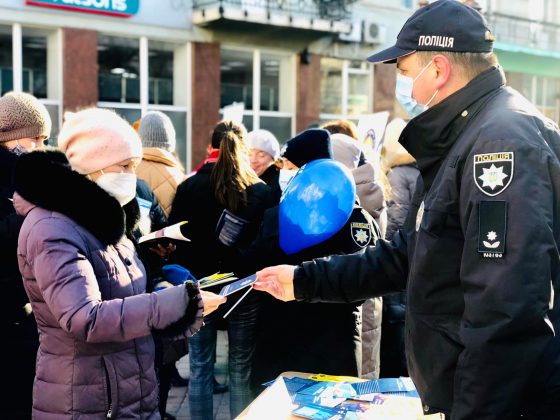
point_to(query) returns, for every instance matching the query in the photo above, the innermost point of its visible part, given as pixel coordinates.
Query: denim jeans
(241, 328)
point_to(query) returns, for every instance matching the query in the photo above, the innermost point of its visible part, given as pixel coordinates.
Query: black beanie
(309, 145)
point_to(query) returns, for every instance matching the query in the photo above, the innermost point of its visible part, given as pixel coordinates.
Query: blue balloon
(316, 204)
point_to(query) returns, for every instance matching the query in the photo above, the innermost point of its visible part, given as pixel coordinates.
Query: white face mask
(285, 177)
(121, 186)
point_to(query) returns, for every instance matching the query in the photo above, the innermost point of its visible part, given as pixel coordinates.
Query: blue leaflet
(387, 385)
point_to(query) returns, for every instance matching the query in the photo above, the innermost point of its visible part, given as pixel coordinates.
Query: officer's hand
(278, 281)
(211, 301)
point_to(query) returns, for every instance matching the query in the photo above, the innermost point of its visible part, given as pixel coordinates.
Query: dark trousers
(19, 355)
(241, 328)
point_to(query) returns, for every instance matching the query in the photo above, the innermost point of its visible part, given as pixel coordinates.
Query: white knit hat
(264, 140)
(95, 139)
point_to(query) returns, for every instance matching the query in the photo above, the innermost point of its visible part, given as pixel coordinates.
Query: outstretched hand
(278, 281)
(211, 301)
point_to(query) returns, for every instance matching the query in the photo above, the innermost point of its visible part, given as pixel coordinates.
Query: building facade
(292, 63)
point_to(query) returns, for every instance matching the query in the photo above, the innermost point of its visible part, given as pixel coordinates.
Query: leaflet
(215, 279)
(238, 285)
(384, 386)
(167, 234)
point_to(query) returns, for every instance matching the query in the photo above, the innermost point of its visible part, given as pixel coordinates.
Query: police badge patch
(361, 233)
(493, 172)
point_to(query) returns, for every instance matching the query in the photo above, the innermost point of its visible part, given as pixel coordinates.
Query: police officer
(478, 253)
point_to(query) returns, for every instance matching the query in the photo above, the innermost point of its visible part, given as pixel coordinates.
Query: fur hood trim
(45, 179)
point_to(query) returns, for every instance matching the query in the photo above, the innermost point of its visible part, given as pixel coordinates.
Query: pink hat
(95, 139)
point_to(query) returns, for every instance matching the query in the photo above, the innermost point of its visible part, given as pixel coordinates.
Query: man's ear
(443, 69)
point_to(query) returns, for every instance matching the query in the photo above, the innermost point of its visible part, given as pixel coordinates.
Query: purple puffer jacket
(96, 354)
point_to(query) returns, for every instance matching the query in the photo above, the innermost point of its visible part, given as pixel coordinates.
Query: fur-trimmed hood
(45, 179)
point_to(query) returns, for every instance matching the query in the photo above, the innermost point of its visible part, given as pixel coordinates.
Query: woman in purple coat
(84, 279)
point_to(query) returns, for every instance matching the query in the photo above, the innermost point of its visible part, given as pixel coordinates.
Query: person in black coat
(24, 126)
(294, 336)
(223, 203)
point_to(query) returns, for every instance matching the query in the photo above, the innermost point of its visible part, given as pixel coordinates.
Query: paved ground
(178, 402)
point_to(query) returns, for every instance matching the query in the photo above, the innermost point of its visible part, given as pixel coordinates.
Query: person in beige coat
(159, 167)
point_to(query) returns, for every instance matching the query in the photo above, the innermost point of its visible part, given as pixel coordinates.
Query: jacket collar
(429, 136)
(44, 179)
(155, 154)
(211, 158)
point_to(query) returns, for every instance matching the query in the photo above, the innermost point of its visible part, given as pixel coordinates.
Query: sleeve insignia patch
(493, 172)
(492, 225)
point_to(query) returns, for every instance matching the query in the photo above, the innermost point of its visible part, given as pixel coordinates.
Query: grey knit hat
(156, 130)
(23, 116)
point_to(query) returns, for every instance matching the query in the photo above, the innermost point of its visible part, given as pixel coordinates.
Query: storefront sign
(119, 8)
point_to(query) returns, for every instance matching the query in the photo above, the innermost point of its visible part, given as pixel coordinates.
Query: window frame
(346, 72)
(144, 77)
(256, 113)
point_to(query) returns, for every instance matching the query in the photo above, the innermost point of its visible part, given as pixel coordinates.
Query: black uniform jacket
(478, 254)
(298, 336)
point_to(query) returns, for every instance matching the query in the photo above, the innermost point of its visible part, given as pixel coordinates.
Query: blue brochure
(386, 385)
(238, 285)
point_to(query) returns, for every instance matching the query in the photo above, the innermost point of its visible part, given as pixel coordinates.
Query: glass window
(160, 63)
(179, 120)
(277, 79)
(53, 112)
(119, 64)
(358, 94)
(6, 75)
(247, 121)
(552, 92)
(129, 114)
(281, 127)
(539, 98)
(34, 60)
(236, 78)
(346, 87)
(331, 86)
(270, 83)
(527, 86)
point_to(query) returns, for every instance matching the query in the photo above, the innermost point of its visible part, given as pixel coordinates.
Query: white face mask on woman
(285, 177)
(121, 186)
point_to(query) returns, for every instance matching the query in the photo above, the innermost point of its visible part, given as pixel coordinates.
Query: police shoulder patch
(493, 172)
(492, 228)
(361, 233)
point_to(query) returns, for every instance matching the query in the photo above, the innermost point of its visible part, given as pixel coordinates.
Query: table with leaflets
(297, 395)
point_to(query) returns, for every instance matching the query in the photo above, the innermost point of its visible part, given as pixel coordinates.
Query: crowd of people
(94, 321)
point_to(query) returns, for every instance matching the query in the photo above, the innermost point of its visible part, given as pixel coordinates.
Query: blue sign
(118, 8)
